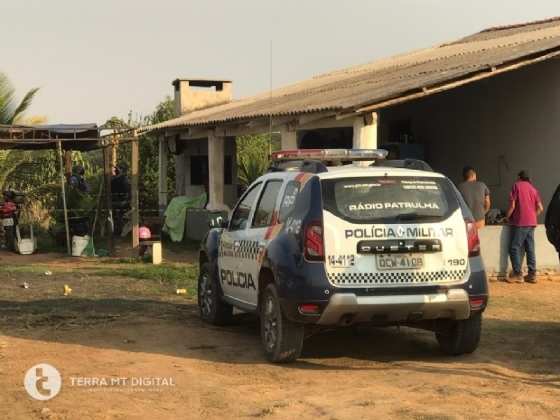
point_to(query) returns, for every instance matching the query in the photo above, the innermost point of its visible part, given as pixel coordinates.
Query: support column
(114, 148)
(365, 131)
(67, 162)
(107, 175)
(288, 138)
(215, 172)
(162, 175)
(134, 203)
(63, 188)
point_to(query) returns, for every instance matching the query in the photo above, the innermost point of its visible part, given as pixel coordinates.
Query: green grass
(25, 269)
(181, 276)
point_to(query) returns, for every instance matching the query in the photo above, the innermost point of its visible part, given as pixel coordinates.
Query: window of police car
(288, 200)
(267, 204)
(242, 212)
(389, 199)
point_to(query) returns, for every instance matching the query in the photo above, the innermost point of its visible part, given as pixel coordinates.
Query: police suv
(317, 243)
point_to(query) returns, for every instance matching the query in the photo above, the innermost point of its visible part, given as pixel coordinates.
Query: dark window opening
(326, 138)
(199, 170)
(400, 131)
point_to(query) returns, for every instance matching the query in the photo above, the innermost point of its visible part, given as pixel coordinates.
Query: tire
(461, 337)
(282, 339)
(211, 307)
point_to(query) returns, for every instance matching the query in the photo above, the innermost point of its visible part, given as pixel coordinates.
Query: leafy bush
(253, 160)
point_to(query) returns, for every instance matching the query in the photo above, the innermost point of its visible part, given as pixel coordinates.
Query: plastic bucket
(79, 244)
(156, 253)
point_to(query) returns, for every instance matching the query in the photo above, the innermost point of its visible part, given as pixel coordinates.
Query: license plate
(399, 262)
(7, 222)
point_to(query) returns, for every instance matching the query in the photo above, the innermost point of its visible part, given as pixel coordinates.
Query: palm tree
(10, 111)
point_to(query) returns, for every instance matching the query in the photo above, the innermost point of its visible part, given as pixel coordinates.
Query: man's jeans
(523, 239)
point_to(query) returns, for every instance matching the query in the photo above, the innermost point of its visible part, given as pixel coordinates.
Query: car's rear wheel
(460, 337)
(282, 339)
(210, 304)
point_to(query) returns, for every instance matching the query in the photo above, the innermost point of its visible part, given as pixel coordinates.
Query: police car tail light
(313, 243)
(329, 154)
(309, 309)
(477, 302)
(473, 239)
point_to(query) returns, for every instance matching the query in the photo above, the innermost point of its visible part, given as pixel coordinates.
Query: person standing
(476, 194)
(552, 221)
(525, 205)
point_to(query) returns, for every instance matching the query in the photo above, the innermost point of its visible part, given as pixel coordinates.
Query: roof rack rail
(329, 155)
(302, 165)
(415, 164)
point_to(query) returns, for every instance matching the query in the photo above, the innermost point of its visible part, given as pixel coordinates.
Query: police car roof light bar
(329, 154)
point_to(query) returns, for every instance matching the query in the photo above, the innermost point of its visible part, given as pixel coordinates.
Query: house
(489, 100)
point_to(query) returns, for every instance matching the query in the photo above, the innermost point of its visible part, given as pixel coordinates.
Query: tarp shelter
(75, 137)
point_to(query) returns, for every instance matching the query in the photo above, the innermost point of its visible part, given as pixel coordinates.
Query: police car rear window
(389, 199)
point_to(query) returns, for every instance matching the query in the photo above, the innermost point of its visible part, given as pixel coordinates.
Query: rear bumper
(349, 308)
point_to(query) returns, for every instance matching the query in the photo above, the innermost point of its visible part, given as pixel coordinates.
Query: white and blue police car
(322, 240)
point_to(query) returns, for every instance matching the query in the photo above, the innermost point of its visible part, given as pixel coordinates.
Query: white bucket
(26, 246)
(156, 253)
(79, 244)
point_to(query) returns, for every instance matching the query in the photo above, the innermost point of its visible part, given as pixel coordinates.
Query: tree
(10, 111)
(253, 156)
(149, 152)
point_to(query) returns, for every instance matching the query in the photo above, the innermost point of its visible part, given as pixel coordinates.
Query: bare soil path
(120, 327)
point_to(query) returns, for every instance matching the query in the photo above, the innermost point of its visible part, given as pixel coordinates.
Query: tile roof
(352, 88)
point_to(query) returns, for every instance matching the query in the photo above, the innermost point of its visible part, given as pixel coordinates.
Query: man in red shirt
(524, 206)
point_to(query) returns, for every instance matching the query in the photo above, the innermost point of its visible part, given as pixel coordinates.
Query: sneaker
(515, 278)
(531, 278)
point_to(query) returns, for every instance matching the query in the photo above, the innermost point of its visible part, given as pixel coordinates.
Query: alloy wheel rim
(206, 295)
(270, 324)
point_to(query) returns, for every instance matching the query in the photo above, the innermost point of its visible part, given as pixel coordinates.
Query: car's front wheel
(460, 337)
(210, 304)
(282, 339)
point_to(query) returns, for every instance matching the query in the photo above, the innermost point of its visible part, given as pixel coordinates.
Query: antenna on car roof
(270, 98)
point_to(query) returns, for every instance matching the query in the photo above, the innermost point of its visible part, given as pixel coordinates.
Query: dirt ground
(121, 327)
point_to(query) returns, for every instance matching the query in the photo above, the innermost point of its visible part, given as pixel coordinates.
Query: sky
(97, 59)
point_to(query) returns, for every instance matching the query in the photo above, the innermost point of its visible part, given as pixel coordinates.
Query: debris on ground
(67, 290)
(48, 273)
(25, 285)
(181, 291)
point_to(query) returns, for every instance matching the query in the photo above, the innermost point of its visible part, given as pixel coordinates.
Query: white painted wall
(494, 246)
(198, 147)
(500, 126)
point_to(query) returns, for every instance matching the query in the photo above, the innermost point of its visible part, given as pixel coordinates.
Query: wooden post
(67, 162)
(107, 174)
(114, 149)
(135, 161)
(63, 188)
(162, 175)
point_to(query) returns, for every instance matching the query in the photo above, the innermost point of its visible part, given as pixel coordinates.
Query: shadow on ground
(169, 328)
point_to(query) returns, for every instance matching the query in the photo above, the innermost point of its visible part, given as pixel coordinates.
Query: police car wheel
(461, 337)
(211, 307)
(282, 339)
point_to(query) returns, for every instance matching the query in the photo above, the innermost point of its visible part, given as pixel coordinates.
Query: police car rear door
(263, 223)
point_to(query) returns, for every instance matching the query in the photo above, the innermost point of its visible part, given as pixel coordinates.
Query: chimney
(195, 94)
